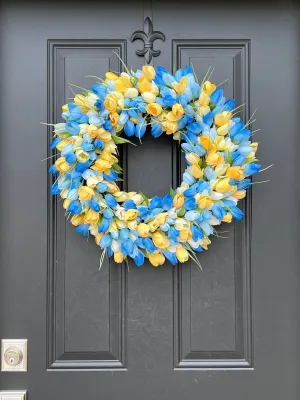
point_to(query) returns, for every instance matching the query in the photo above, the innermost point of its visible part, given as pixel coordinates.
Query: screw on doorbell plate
(14, 355)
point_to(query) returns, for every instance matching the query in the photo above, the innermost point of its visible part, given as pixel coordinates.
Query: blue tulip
(87, 146)
(129, 204)
(242, 136)
(99, 144)
(195, 127)
(218, 211)
(139, 259)
(252, 168)
(143, 211)
(110, 200)
(83, 229)
(238, 159)
(81, 167)
(72, 127)
(127, 247)
(188, 178)
(70, 158)
(210, 173)
(229, 105)
(94, 120)
(102, 187)
(208, 119)
(112, 176)
(244, 184)
(52, 170)
(94, 205)
(171, 257)
(55, 142)
(108, 213)
(55, 189)
(167, 202)
(129, 128)
(72, 194)
(173, 233)
(190, 192)
(124, 233)
(155, 202)
(75, 112)
(192, 215)
(106, 241)
(169, 100)
(149, 246)
(75, 207)
(236, 213)
(140, 130)
(190, 204)
(156, 129)
(109, 252)
(189, 148)
(123, 117)
(196, 233)
(104, 225)
(206, 228)
(236, 128)
(216, 96)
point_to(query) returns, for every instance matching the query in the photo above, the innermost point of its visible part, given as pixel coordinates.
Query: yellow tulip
(120, 196)
(223, 118)
(161, 218)
(239, 194)
(204, 201)
(204, 99)
(196, 171)
(148, 72)
(178, 200)
(77, 219)
(204, 243)
(181, 86)
(66, 203)
(114, 118)
(92, 131)
(120, 86)
(104, 135)
(62, 144)
(143, 230)
(149, 97)
(208, 87)
(185, 234)
(182, 254)
(172, 117)
(214, 159)
(132, 225)
(112, 187)
(193, 158)
(91, 217)
(223, 130)
(82, 156)
(154, 109)
(111, 103)
(160, 240)
(101, 165)
(169, 127)
(62, 165)
(85, 193)
(80, 101)
(223, 186)
(131, 214)
(153, 225)
(227, 218)
(207, 143)
(235, 172)
(156, 259)
(111, 76)
(177, 110)
(118, 257)
(144, 85)
(65, 108)
(131, 93)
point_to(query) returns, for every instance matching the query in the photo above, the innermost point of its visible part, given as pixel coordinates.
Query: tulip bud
(149, 97)
(156, 259)
(182, 254)
(148, 72)
(131, 93)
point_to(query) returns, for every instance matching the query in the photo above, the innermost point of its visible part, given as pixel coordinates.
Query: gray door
(230, 332)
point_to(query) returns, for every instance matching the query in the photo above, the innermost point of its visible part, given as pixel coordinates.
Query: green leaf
(229, 156)
(172, 193)
(117, 168)
(121, 140)
(146, 200)
(181, 212)
(119, 180)
(212, 106)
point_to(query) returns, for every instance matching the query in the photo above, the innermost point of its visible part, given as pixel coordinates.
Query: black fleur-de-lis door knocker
(148, 36)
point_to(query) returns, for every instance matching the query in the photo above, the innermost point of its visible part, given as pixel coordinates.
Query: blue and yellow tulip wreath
(216, 143)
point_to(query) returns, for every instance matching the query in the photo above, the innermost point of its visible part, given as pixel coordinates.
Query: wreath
(216, 144)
